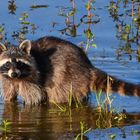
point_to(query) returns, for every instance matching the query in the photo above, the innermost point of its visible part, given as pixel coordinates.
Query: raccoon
(51, 69)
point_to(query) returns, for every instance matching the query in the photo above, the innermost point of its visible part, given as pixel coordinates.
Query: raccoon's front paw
(8, 94)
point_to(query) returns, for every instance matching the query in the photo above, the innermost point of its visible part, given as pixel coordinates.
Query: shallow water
(41, 123)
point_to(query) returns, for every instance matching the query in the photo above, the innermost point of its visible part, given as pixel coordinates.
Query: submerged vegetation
(5, 128)
(84, 130)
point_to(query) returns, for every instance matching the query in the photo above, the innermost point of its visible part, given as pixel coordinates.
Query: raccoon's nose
(14, 74)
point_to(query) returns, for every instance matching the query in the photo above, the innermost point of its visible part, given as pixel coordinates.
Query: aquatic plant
(112, 136)
(3, 34)
(90, 19)
(106, 114)
(2, 31)
(71, 100)
(69, 15)
(83, 130)
(5, 126)
(12, 6)
(60, 107)
(126, 17)
(25, 27)
(38, 6)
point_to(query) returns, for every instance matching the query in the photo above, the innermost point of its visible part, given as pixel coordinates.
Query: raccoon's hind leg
(31, 93)
(8, 91)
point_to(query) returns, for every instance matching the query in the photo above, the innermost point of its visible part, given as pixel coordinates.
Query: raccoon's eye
(8, 64)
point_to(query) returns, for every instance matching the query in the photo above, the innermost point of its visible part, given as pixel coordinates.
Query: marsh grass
(72, 101)
(112, 136)
(106, 114)
(5, 127)
(104, 104)
(61, 108)
(127, 33)
(83, 131)
(38, 6)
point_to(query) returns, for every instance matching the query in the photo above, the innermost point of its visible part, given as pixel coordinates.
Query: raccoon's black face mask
(16, 62)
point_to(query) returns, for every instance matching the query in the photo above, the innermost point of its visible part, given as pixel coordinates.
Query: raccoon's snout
(14, 73)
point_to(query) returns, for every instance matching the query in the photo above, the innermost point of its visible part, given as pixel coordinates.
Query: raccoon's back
(51, 51)
(53, 47)
(62, 65)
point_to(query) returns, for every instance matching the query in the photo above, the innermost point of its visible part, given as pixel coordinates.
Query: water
(41, 123)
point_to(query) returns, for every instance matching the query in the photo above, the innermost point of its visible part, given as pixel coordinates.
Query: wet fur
(60, 67)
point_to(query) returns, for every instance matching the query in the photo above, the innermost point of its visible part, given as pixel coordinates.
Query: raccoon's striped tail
(101, 81)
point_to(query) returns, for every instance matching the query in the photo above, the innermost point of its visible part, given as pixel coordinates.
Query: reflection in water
(42, 123)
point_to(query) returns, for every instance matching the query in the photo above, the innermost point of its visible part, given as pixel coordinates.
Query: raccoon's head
(16, 62)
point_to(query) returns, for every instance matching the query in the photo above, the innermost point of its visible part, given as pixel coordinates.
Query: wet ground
(112, 33)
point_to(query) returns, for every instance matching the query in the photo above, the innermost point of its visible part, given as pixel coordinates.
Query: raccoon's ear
(2, 47)
(26, 46)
